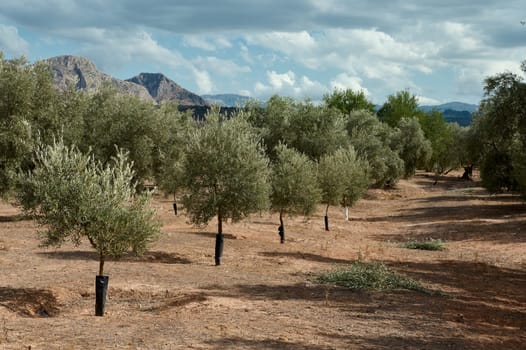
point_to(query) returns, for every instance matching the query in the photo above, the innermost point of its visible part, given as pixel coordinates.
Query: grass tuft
(373, 275)
(430, 244)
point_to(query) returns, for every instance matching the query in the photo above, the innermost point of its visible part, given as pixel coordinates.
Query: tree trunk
(346, 213)
(219, 239)
(468, 172)
(101, 264)
(327, 218)
(281, 228)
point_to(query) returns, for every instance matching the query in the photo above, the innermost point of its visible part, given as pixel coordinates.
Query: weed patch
(373, 276)
(430, 244)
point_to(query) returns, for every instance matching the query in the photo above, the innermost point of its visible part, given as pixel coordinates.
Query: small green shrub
(431, 244)
(374, 275)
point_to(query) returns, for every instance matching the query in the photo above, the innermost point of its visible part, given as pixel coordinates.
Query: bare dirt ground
(264, 295)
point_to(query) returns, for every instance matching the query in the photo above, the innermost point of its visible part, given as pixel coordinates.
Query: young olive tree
(72, 196)
(225, 173)
(169, 156)
(343, 179)
(294, 186)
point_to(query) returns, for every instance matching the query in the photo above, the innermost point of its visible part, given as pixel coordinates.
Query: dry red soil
(264, 295)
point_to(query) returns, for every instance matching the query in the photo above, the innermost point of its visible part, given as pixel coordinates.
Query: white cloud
(245, 55)
(422, 100)
(203, 81)
(219, 66)
(206, 43)
(344, 81)
(287, 84)
(278, 81)
(126, 47)
(286, 42)
(11, 42)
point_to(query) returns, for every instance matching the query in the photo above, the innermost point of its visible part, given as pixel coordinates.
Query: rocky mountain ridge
(162, 89)
(81, 73)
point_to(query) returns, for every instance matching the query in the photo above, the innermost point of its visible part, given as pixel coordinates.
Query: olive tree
(294, 185)
(499, 132)
(310, 129)
(112, 119)
(28, 104)
(169, 150)
(413, 147)
(374, 141)
(73, 196)
(225, 173)
(343, 179)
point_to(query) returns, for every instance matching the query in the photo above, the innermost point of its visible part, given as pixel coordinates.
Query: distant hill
(454, 106)
(82, 73)
(227, 100)
(454, 112)
(163, 89)
(462, 118)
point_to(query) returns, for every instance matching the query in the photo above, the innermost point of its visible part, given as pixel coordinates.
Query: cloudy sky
(439, 50)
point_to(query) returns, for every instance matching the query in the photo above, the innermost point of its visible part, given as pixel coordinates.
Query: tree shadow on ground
(29, 302)
(213, 234)
(498, 231)
(475, 280)
(444, 182)
(445, 342)
(15, 218)
(486, 302)
(148, 257)
(456, 212)
(237, 342)
(305, 256)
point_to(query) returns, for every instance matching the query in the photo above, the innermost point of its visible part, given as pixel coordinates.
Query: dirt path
(264, 297)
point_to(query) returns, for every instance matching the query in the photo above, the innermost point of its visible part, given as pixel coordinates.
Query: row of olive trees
(225, 173)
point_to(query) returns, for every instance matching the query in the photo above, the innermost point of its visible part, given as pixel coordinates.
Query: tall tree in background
(400, 105)
(374, 142)
(316, 130)
(294, 185)
(414, 149)
(447, 143)
(226, 174)
(115, 120)
(348, 101)
(310, 129)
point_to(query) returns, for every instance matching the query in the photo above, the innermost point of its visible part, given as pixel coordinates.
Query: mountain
(454, 106)
(462, 118)
(161, 89)
(82, 73)
(227, 100)
(454, 112)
